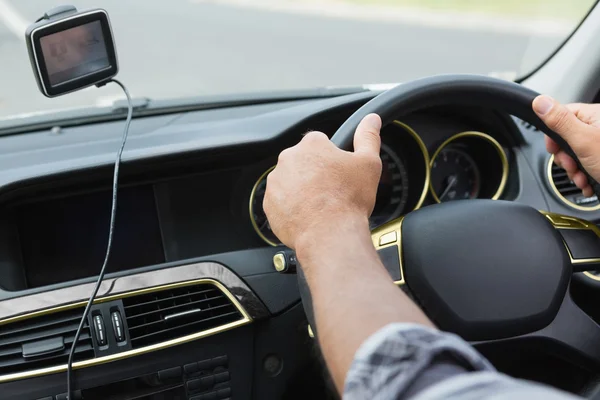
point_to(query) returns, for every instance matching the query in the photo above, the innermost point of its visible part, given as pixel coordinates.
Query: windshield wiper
(144, 106)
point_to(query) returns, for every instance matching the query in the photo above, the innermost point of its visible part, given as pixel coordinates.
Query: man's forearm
(353, 294)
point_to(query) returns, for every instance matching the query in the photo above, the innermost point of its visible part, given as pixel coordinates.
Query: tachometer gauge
(257, 214)
(392, 192)
(454, 175)
(392, 196)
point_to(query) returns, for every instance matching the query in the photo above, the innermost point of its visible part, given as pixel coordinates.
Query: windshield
(182, 48)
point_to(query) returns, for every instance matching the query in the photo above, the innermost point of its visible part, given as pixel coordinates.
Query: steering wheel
(490, 271)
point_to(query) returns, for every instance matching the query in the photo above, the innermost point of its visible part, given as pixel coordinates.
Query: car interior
(202, 301)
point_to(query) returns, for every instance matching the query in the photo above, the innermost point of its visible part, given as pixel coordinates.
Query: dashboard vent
(173, 313)
(43, 342)
(528, 126)
(566, 190)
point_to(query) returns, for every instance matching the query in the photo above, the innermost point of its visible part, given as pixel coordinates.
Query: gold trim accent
(426, 159)
(310, 332)
(560, 196)
(560, 221)
(394, 226)
(489, 139)
(246, 319)
(252, 220)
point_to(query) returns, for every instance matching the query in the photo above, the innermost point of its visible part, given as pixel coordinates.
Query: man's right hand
(579, 125)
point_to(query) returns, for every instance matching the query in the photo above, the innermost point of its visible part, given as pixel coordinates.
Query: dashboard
(191, 280)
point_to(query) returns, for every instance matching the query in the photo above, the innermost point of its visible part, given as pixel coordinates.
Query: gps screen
(74, 53)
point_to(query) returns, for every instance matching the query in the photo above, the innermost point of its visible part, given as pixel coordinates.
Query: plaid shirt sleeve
(407, 361)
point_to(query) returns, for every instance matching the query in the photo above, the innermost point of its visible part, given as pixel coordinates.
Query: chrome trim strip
(246, 319)
(18, 308)
(182, 314)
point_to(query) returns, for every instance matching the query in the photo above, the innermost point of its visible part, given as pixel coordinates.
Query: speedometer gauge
(392, 192)
(468, 165)
(454, 175)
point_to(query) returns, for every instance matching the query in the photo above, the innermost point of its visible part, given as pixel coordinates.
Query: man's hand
(318, 202)
(579, 125)
(316, 186)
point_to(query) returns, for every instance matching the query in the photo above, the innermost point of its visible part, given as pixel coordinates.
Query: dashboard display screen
(74, 53)
(65, 239)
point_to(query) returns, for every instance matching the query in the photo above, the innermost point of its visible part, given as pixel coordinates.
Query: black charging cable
(113, 212)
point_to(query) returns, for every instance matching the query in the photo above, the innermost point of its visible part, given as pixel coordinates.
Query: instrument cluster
(467, 165)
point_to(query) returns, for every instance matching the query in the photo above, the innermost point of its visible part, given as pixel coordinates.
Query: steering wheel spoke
(581, 239)
(576, 334)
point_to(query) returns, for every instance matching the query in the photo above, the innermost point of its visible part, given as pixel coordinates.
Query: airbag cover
(485, 269)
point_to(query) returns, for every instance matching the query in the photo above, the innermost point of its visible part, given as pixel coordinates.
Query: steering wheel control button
(169, 374)
(285, 261)
(391, 261)
(388, 238)
(99, 330)
(117, 324)
(485, 269)
(583, 244)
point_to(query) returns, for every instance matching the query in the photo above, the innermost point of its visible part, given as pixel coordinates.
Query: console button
(205, 382)
(117, 324)
(191, 368)
(171, 373)
(224, 393)
(219, 361)
(99, 330)
(222, 377)
(205, 365)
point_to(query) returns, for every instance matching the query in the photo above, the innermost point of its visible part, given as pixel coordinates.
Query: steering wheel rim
(514, 99)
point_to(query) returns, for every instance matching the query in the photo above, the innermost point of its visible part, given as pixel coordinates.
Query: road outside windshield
(181, 48)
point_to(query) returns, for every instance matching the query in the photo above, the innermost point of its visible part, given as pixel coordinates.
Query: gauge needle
(451, 182)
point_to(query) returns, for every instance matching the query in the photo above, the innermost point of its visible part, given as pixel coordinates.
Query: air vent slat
(145, 314)
(36, 335)
(59, 325)
(561, 182)
(15, 349)
(178, 306)
(155, 300)
(162, 320)
(41, 325)
(15, 362)
(189, 324)
(570, 193)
